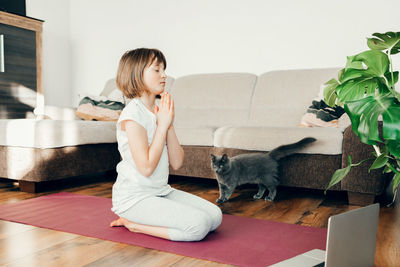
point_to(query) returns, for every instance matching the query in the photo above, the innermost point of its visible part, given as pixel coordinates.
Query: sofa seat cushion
(200, 136)
(329, 140)
(55, 133)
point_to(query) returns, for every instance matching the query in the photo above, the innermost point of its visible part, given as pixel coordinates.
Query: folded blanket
(319, 114)
(99, 110)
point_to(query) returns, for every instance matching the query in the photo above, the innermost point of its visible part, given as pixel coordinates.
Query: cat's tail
(286, 150)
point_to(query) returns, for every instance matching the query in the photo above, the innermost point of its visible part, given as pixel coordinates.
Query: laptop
(351, 241)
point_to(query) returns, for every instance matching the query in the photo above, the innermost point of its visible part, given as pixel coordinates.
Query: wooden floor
(24, 245)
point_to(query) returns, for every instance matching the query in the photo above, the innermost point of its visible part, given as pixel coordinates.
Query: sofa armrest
(358, 179)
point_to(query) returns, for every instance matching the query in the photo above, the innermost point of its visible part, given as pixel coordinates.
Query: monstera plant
(366, 90)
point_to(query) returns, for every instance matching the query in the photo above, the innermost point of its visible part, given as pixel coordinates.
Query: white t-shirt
(131, 186)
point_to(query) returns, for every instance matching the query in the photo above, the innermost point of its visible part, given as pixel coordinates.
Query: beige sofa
(237, 113)
(229, 113)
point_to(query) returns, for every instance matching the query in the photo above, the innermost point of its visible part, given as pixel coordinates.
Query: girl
(148, 144)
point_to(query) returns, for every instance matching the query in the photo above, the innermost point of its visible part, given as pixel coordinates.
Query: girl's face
(154, 78)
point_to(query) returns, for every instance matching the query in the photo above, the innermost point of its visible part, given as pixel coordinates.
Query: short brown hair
(131, 68)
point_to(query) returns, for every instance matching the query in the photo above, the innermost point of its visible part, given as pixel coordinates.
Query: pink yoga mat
(238, 241)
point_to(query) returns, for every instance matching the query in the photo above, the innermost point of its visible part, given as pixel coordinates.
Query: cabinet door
(18, 77)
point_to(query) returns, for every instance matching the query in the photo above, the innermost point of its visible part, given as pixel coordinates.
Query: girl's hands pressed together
(165, 113)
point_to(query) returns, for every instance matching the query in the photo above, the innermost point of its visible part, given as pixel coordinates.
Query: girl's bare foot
(124, 222)
(161, 232)
(116, 222)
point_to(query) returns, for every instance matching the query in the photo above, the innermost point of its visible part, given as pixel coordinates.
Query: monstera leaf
(358, 82)
(364, 115)
(391, 121)
(376, 61)
(388, 40)
(394, 147)
(330, 90)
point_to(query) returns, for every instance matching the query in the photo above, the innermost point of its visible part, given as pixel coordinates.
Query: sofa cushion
(55, 133)
(202, 136)
(281, 97)
(329, 140)
(213, 100)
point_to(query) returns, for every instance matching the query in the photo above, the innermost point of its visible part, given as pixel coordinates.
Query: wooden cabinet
(20, 65)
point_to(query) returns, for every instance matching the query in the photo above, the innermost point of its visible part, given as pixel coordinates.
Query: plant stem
(377, 150)
(394, 196)
(390, 87)
(378, 153)
(392, 168)
(395, 170)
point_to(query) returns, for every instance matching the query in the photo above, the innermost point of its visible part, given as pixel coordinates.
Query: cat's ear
(213, 157)
(225, 157)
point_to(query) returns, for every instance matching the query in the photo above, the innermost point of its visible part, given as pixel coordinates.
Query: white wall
(204, 36)
(57, 75)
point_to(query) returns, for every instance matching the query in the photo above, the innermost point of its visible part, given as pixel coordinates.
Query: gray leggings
(187, 217)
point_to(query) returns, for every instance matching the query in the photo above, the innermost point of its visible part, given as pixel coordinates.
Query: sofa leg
(28, 186)
(360, 199)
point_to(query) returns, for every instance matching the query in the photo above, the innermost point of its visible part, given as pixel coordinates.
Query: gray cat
(254, 168)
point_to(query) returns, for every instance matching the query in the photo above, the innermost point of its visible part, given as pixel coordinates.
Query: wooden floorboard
(25, 245)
